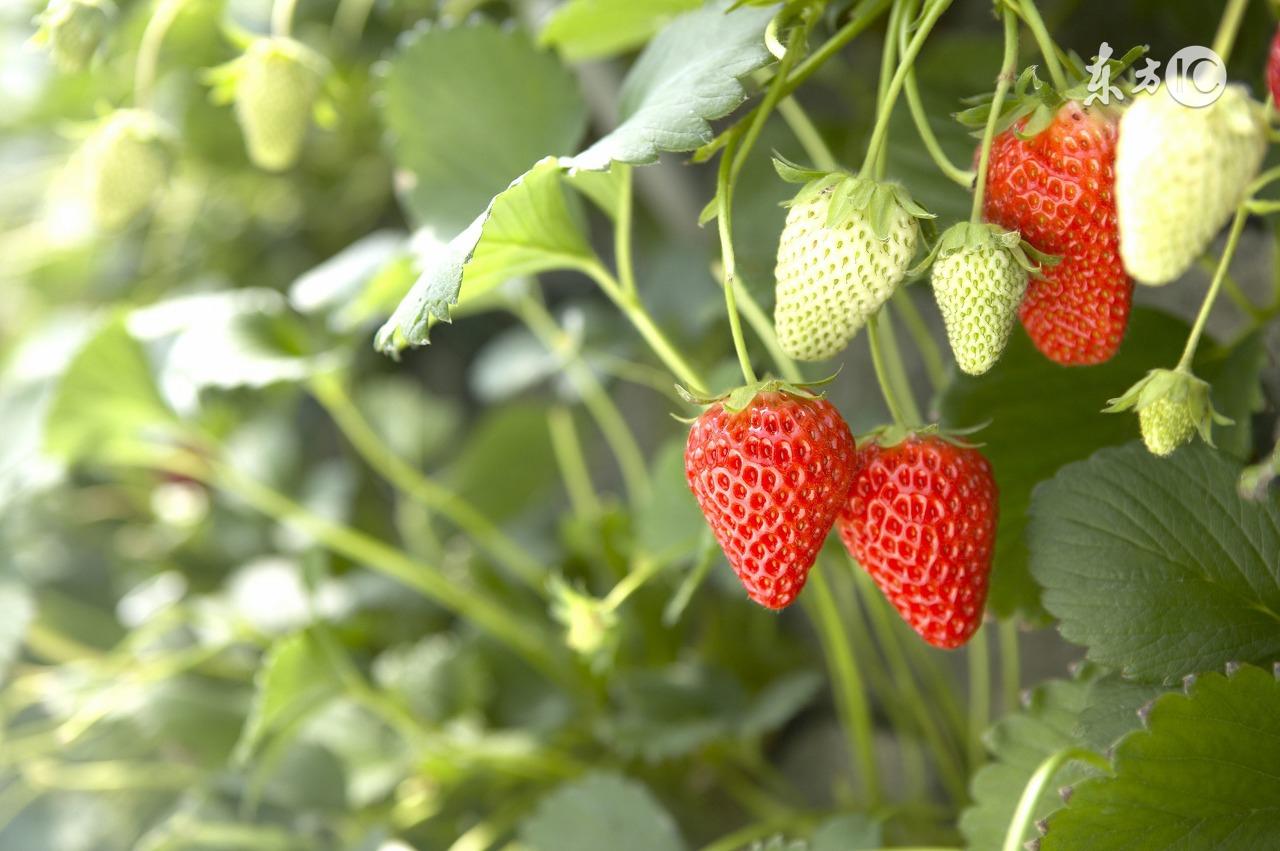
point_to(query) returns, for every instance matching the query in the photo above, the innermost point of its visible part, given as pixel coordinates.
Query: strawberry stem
(622, 231)
(1008, 68)
(724, 221)
(1228, 26)
(1025, 812)
(144, 74)
(1035, 23)
(282, 17)
(1206, 307)
(890, 375)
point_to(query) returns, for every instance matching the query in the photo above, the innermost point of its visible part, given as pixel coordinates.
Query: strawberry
(921, 520)
(770, 467)
(1180, 173)
(846, 246)
(126, 160)
(979, 277)
(1057, 189)
(73, 30)
(1172, 405)
(1273, 67)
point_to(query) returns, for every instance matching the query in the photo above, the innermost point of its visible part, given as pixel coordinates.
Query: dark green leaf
(601, 811)
(854, 832)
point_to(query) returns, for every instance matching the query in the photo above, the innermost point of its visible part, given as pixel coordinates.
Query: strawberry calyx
(974, 236)
(887, 436)
(850, 195)
(739, 398)
(1178, 387)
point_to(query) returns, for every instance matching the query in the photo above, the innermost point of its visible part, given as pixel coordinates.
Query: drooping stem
(282, 17)
(1031, 793)
(901, 407)
(1044, 42)
(847, 681)
(1008, 68)
(622, 231)
(932, 12)
(1010, 664)
(1206, 307)
(724, 196)
(898, 13)
(915, 105)
(567, 449)
(759, 322)
(1228, 26)
(863, 16)
(979, 694)
(755, 124)
(806, 133)
(930, 353)
(144, 74)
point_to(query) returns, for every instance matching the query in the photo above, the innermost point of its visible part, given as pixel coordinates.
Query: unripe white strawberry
(846, 246)
(126, 162)
(1172, 405)
(73, 30)
(278, 82)
(979, 278)
(1180, 173)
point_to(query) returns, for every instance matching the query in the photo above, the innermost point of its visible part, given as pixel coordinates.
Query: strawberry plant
(508, 425)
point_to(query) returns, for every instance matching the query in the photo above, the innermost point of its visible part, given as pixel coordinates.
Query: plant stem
(1010, 665)
(863, 16)
(1235, 292)
(282, 17)
(634, 310)
(622, 231)
(350, 19)
(641, 572)
(329, 391)
(573, 466)
(1031, 793)
(144, 74)
(1206, 307)
(1008, 68)
(900, 11)
(1048, 51)
(759, 322)
(1228, 26)
(611, 422)
(934, 366)
(755, 124)
(979, 695)
(724, 221)
(963, 177)
(806, 133)
(933, 11)
(901, 409)
(847, 681)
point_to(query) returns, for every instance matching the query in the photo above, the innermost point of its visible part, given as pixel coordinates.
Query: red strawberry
(1273, 67)
(921, 519)
(1057, 188)
(770, 478)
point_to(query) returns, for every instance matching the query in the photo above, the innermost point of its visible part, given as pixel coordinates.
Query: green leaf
(468, 108)
(293, 681)
(1157, 565)
(416, 424)
(1018, 744)
(107, 403)
(1201, 775)
(351, 287)
(593, 29)
(1042, 416)
(530, 227)
(853, 832)
(1111, 709)
(686, 77)
(507, 462)
(669, 524)
(601, 811)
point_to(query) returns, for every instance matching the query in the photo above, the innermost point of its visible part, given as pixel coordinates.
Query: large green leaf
(590, 29)
(1018, 744)
(601, 811)
(530, 227)
(507, 461)
(1201, 775)
(686, 77)
(107, 404)
(293, 681)
(468, 109)
(1111, 709)
(1157, 565)
(1043, 416)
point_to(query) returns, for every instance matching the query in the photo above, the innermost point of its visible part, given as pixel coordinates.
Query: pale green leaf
(468, 109)
(853, 832)
(16, 610)
(601, 811)
(507, 463)
(293, 681)
(591, 29)
(340, 287)
(686, 77)
(1156, 565)
(1201, 775)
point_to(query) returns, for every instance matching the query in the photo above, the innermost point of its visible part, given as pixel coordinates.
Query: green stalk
(1008, 68)
(901, 406)
(979, 695)
(964, 177)
(144, 74)
(622, 231)
(724, 221)
(930, 353)
(900, 11)
(350, 18)
(329, 391)
(1026, 804)
(1044, 42)
(759, 322)
(1010, 665)
(282, 17)
(642, 321)
(795, 45)
(863, 16)
(806, 133)
(851, 698)
(1206, 307)
(573, 466)
(1228, 26)
(611, 422)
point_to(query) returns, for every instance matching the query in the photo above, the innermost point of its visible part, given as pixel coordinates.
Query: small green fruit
(73, 30)
(1172, 405)
(126, 161)
(279, 80)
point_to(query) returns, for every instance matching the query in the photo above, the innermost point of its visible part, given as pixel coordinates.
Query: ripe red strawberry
(921, 519)
(770, 478)
(1057, 189)
(1273, 67)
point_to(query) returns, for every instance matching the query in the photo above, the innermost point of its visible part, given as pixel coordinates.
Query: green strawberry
(73, 30)
(846, 246)
(979, 278)
(276, 84)
(126, 160)
(1172, 405)
(1180, 173)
